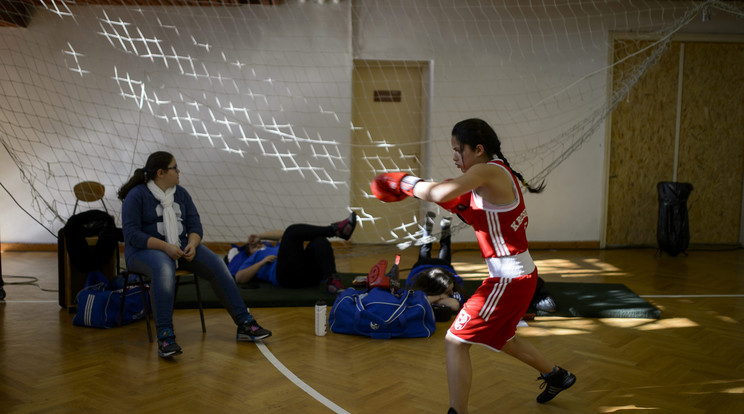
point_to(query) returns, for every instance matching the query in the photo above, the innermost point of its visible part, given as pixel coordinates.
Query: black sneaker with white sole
(252, 331)
(167, 346)
(555, 383)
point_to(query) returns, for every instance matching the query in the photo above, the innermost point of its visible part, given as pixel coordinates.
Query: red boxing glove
(383, 192)
(395, 186)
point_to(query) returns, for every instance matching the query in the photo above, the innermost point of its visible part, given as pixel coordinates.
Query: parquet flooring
(689, 361)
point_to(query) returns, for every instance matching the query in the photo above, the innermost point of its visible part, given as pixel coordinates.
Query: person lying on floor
(435, 276)
(440, 281)
(289, 263)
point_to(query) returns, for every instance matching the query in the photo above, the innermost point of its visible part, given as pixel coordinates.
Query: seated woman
(162, 232)
(289, 263)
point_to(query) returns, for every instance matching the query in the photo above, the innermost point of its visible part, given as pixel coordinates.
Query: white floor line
(691, 296)
(28, 301)
(297, 381)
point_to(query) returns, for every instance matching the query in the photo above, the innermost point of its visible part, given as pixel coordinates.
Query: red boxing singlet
(500, 229)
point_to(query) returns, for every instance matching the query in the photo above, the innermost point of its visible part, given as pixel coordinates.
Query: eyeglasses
(175, 167)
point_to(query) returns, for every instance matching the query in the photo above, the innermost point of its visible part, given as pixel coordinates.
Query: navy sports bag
(380, 314)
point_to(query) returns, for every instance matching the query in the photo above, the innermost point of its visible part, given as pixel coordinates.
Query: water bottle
(320, 318)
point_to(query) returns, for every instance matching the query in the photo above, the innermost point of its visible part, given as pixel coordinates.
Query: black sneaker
(445, 226)
(429, 222)
(252, 331)
(343, 229)
(555, 383)
(167, 346)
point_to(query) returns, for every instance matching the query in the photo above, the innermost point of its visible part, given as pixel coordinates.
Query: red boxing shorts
(491, 315)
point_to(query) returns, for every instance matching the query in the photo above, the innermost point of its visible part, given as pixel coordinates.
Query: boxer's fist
(386, 187)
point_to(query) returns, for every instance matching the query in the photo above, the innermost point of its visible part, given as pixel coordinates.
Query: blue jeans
(161, 269)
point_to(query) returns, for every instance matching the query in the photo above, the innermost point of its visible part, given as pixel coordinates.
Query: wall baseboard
(28, 247)
(564, 245)
(225, 246)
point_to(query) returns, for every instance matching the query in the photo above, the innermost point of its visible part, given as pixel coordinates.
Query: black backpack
(88, 224)
(673, 228)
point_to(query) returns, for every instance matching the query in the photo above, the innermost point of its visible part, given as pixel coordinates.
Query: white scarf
(170, 222)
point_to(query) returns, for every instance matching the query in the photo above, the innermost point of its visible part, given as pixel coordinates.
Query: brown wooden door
(388, 135)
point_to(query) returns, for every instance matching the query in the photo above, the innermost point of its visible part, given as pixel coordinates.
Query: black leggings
(300, 266)
(445, 253)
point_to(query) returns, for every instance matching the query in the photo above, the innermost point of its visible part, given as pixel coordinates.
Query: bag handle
(401, 308)
(395, 315)
(398, 315)
(96, 277)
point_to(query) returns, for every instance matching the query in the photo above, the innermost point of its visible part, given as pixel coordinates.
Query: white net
(257, 101)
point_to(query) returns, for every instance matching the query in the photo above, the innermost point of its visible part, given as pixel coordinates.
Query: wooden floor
(689, 361)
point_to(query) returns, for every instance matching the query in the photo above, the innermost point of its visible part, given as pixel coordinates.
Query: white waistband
(511, 266)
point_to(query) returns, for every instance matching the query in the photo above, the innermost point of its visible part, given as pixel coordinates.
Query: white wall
(283, 66)
(489, 65)
(485, 64)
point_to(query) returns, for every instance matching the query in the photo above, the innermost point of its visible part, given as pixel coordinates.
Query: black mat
(589, 300)
(598, 300)
(265, 295)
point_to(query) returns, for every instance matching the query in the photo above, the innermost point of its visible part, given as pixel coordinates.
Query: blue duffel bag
(380, 314)
(99, 303)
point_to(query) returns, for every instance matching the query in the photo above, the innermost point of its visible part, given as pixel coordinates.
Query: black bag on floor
(673, 230)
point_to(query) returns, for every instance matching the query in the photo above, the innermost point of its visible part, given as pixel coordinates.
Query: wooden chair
(88, 191)
(71, 279)
(141, 281)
